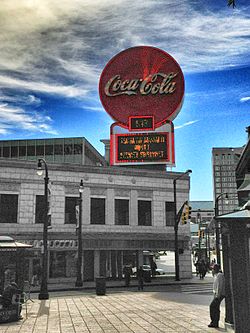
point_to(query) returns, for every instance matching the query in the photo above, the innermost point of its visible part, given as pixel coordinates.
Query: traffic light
(188, 212)
(183, 217)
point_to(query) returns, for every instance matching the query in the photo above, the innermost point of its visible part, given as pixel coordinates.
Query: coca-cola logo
(115, 86)
(142, 81)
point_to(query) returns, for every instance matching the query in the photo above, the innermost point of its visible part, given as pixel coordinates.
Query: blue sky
(53, 52)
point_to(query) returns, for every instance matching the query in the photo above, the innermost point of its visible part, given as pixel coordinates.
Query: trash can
(100, 284)
(147, 275)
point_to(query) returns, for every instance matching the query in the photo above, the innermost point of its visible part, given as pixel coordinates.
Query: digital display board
(142, 147)
(141, 123)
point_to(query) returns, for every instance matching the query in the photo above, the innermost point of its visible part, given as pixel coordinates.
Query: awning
(244, 214)
(7, 242)
(245, 186)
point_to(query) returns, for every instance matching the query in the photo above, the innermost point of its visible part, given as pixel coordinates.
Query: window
(144, 213)
(58, 149)
(31, 151)
(70, 210)
(8, 208)
(40, 149)
(22, 150)
(57, 264)
(121, 211)
(97, 211)
(14, 151)
(40, 209)
(6, 151)
(170, 213)
(48, 149)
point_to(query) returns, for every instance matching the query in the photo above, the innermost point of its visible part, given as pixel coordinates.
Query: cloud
(186, 124)
(94, 108)
(60, 47)
(16, 118)
(21, 99)
(245, 99)
(42, 87)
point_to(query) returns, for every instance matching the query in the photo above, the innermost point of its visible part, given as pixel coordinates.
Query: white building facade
(124, 213)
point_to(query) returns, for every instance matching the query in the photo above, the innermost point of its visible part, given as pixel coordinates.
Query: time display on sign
(141, 123)
(142, 147)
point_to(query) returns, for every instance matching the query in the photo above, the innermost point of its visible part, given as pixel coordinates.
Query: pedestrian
(127, 271)
(12, 298)
(140, 278)
(153, 267)
(203, 269)
(35, 281)
(219, 295)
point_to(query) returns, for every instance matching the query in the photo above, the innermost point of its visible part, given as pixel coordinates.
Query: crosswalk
(199, 289)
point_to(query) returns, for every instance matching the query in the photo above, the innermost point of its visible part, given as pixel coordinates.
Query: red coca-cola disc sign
(142, 81)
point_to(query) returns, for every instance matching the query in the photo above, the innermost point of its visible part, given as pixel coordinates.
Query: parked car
(159, 271)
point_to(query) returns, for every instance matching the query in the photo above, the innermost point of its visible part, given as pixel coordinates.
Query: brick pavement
(120, 311)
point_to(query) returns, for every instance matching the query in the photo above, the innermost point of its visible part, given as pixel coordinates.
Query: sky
(52, 53)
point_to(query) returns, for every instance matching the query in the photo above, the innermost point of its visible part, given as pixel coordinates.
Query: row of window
(225, 179)
(23, 148)
(9, 210)
(225, 167)
(225, 174)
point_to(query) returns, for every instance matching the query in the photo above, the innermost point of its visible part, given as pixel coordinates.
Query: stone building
(224, 162)
(125, 212)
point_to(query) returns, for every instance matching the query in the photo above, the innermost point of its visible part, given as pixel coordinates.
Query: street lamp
(44, 288)
(177, 268)
(217, 230)
(199, 233)
(79, 282)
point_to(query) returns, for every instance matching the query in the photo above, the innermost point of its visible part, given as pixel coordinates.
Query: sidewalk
(116, 312)
(119, 311)
(156, 281)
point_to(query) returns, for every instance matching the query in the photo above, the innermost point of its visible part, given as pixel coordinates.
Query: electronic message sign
(142, 147)
(139, 147)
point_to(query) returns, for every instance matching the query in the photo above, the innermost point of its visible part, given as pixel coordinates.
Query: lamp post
(199, 233)
(217, 229)
(44, 283)
(177, 268)
(79, 282)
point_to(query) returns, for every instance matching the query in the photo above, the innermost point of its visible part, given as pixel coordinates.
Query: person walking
(127, 271)
(140, 278)
(219, 295)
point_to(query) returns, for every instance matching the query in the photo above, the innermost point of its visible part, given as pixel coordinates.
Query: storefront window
(57, 267)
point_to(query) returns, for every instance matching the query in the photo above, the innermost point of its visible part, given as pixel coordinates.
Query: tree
(231, 3)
